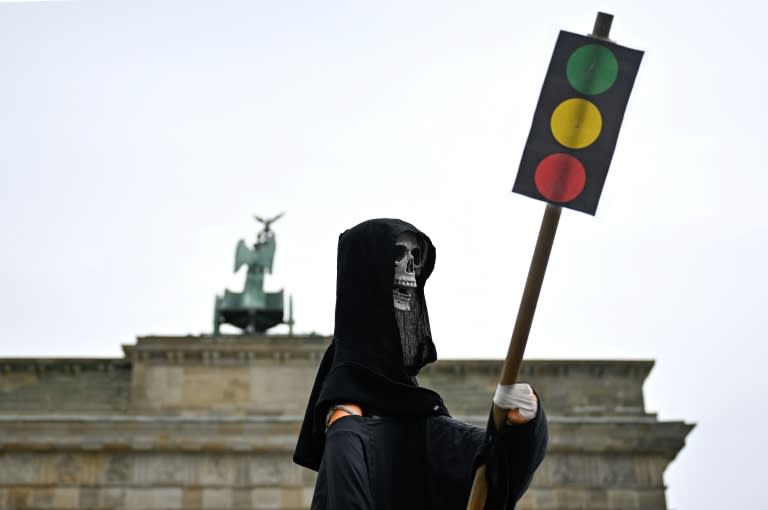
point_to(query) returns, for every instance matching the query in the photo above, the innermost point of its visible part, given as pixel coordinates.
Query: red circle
(560, 177)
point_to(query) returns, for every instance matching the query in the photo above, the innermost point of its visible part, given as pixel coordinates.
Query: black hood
(366, 332)
(364, 363)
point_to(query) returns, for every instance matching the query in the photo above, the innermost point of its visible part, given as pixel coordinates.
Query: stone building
(210, 423)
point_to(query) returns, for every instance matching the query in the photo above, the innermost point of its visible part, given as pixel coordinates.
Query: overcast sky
(138, 139)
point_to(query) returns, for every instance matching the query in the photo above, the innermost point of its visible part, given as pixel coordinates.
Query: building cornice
(278, 434)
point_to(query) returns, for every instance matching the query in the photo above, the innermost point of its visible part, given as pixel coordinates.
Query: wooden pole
(517, 343)
(530, 299)
(533, 283)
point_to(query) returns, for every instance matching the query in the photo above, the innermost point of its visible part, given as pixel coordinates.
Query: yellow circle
(576, 123)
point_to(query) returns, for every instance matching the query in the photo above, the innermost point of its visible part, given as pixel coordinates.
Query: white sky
(137, 139)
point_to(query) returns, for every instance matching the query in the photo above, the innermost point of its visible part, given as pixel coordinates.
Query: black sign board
(577, 121)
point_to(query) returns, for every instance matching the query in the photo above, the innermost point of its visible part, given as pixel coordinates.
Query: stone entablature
(270, 434)
(594, 387)
(64, 386)
(204, 423)
(225, 349)
(149, 433)
(272, 375)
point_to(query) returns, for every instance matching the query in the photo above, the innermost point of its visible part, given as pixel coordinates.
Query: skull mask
(409, 257)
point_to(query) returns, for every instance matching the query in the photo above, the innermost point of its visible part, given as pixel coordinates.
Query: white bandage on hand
(517, 396)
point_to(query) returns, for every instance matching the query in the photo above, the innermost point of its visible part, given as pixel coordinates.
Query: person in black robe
(396, 446)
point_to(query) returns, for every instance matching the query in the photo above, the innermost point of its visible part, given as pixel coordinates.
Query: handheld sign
(577, 121)
(564, 163)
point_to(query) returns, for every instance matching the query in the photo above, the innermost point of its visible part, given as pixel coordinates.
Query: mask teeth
(405, 283)
(403, 300)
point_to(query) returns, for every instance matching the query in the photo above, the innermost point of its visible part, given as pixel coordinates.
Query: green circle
(592, 69)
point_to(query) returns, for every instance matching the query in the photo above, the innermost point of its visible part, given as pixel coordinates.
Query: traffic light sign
(577, 121)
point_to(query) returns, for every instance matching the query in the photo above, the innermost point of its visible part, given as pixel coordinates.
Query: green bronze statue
(253, 310)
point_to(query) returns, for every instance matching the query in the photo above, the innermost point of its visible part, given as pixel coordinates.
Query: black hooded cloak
(429, 457)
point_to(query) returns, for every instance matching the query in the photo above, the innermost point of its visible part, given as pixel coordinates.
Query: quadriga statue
(252, 310)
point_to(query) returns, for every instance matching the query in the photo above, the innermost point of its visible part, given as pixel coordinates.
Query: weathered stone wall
(210, 423)
(224, 376)
(273, 376)
(567, 388)
(150, 463)
(152, 481)
(64, 386)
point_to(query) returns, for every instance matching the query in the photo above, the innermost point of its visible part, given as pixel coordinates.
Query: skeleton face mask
(409, 257)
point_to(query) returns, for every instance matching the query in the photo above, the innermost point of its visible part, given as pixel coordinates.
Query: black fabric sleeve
(311, 442)
(512, 455)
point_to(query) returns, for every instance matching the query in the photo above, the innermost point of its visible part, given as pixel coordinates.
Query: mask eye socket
(418, 256)
(400, 252)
